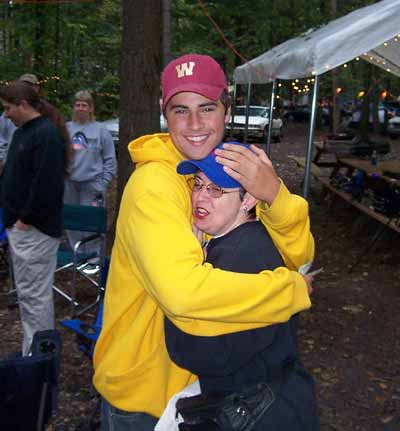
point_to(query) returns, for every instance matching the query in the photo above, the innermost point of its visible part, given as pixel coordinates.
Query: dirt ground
(349, 340)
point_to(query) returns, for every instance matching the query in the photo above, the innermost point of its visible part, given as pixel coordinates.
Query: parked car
(393, 127)
(298, 113)
(257, 125)
(113, 127)
(391, 109)
(302, 114)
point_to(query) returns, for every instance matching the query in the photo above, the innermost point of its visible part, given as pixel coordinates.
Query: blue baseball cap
(211, 168)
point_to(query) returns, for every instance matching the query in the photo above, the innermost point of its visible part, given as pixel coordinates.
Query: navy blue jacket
(229, 363)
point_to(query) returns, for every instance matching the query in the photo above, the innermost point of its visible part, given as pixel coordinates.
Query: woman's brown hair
(17, 91)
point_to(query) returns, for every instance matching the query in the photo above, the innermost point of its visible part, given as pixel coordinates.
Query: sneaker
(91, 269)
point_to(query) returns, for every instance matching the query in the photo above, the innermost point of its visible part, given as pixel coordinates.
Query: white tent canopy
(371, 33)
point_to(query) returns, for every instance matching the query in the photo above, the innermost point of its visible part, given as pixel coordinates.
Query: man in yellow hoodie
(157, 263)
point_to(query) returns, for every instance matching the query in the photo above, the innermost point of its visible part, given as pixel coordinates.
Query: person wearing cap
(157, 263)
(259, 364)
(93, 165)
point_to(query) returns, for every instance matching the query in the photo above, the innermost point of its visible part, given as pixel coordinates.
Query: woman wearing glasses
(250, 380)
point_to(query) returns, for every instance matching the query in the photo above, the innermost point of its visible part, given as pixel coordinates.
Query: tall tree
(166, 39)
(140, 77)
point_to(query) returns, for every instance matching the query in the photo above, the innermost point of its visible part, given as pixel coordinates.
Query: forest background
(117, 49)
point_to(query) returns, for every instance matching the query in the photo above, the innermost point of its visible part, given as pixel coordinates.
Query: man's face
(15, 113)
(82, 111)
(196, 124)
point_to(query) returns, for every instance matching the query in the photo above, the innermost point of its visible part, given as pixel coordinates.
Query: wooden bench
(391, 223)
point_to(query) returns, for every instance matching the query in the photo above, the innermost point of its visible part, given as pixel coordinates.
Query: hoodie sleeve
(287, 221)
(154, 226)
(109, 159)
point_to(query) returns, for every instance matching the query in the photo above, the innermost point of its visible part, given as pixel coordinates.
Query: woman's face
(215, 216)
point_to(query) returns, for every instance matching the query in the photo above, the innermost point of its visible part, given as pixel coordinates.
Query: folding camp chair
(28, 385)
(92, 221)
(87, 334)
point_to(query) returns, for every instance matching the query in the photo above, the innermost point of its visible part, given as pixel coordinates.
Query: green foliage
(80, 43)
(70, 46)
(255, 26)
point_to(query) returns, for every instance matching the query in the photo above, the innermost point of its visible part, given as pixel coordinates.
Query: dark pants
(113, 419)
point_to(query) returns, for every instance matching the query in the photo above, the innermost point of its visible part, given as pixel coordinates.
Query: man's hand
(309, 280)
(21, 226)
(252, 169)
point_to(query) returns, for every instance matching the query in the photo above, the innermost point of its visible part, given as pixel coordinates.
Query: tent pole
(271, 116)
(246, 126)
(233, 112)
(306, 184)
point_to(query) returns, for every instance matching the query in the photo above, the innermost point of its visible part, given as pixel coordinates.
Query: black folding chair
(92, 221)
(88, 333)
(29, 385)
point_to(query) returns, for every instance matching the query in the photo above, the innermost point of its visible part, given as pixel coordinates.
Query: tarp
(371, 33)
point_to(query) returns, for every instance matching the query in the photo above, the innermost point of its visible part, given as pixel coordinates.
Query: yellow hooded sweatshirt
(157, 268)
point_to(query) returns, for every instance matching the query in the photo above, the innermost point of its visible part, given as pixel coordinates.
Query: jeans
(113, 419)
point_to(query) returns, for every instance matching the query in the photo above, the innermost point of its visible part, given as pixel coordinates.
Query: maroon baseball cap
(194, 73)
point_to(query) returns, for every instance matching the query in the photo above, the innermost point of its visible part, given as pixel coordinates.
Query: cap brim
(212, 169)
(210, 91)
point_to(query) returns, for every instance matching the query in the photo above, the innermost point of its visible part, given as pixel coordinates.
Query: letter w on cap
(185, 69)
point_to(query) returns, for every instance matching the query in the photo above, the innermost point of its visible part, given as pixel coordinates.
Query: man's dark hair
(225, 100)
(17, 91)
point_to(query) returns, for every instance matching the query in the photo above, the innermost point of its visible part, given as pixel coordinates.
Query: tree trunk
(38, 52)
(166, 14)
(140, 78)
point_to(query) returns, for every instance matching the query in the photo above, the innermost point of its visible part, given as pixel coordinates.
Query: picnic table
(378, 173)
(386, 172)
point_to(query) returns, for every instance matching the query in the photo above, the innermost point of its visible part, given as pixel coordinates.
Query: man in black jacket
(32, 196)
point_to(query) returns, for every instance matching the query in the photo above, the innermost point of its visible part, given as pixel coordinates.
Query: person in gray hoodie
(93, 163)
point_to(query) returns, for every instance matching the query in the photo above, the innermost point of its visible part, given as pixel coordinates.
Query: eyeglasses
(214, 191)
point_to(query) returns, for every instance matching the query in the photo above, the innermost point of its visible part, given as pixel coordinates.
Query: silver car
(257, 125)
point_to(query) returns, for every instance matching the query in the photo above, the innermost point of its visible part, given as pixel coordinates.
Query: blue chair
(92, 222)
(29, 385)
(86, 333)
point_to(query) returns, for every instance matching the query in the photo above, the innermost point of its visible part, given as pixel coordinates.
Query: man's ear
(249, 202)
